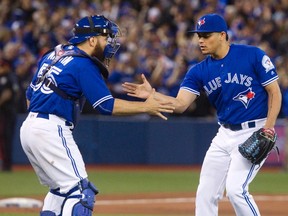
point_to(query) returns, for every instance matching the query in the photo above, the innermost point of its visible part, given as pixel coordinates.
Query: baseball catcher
(67, 76)
(257, 147)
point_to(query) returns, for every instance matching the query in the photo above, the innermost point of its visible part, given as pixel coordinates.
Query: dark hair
(227, 36)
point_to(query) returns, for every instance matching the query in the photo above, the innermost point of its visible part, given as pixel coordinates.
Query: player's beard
(99, 52)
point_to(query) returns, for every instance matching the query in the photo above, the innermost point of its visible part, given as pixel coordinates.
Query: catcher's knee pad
(47, 213)
(85, 204)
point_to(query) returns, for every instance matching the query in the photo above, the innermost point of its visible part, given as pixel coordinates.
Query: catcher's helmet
(90, 26)
(96, 25)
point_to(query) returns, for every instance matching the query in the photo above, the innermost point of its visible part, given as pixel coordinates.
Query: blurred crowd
(154, 42)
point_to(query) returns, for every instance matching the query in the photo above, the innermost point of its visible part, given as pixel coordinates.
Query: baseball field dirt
(181, 204)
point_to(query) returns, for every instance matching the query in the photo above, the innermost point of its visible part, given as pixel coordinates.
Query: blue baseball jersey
(77, 77)
(235, 84)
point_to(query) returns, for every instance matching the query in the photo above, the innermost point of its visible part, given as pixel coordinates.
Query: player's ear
(223, 35)
(92, 41)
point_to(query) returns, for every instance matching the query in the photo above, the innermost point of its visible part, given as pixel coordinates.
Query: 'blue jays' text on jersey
(235, 84)
(77, 77)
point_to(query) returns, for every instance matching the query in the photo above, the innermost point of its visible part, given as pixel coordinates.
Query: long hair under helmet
(90, 26)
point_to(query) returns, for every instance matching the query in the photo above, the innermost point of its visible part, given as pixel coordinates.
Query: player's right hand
(157, 106)
(142, 90)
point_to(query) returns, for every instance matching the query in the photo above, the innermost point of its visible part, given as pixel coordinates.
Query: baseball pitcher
(241, 83)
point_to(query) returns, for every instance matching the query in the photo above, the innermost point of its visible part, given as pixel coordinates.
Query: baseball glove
(257, 147)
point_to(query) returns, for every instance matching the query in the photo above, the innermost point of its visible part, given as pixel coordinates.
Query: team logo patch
(201, 22)
(245, 97)
(267, 64)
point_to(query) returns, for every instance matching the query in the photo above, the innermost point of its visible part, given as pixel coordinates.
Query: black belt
(46, 116)
(236, 127)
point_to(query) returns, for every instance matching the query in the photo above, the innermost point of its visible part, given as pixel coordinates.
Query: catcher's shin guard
(80, 204)
(47, 213)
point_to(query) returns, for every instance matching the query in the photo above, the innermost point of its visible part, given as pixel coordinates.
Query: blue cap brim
(198, 31)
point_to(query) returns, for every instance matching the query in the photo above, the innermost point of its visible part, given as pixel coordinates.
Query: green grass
(24, 183)
(270, 183)
(20, 183)
(111, 182)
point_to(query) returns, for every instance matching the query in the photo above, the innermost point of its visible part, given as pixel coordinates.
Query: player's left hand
(156, 106)
(257, 147)
(269, 133)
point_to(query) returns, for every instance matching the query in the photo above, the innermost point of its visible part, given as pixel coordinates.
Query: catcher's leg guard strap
(47, 213)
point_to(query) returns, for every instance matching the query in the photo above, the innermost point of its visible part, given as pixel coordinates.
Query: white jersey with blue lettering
(235, 84)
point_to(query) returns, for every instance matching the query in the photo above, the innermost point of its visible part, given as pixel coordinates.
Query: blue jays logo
(201, 22)
(245, 97)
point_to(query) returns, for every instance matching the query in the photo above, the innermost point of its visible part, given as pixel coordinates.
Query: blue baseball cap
(210, 23)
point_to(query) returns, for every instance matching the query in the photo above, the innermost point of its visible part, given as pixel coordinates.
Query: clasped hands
(154, 102)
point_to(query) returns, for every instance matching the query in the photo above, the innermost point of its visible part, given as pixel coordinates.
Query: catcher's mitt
(257, 147)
